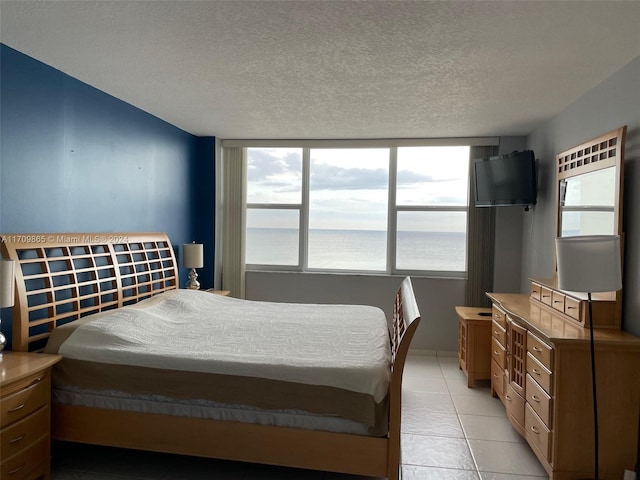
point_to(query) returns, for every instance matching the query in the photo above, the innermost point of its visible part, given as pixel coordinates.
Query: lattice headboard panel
(61, 277)
(606, 150)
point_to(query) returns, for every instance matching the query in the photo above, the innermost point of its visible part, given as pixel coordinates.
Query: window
(387, 209)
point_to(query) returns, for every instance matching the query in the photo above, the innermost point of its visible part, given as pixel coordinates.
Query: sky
(349, 187)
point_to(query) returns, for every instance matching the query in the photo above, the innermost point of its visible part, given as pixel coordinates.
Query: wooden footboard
(62, 277)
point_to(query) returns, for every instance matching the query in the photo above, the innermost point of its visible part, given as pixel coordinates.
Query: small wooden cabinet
(25, 418)
(474, 343)
(542, 374)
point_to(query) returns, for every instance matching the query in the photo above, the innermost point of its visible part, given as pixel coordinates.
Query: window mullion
(304, 210)
(391, 210)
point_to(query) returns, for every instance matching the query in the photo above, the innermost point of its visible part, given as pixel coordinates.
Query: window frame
(392, 209)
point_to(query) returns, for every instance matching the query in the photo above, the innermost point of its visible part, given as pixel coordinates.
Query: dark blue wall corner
(75, 159)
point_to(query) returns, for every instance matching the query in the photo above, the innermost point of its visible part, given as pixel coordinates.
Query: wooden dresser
(25, 418)
(540, 367)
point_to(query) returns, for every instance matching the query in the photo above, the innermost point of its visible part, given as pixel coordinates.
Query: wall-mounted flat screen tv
(506, 180)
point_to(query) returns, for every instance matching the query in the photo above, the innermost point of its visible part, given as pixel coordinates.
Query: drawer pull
(507, 397)
(535, 398)
(15, 409)
(571, 308)
(496, 352)
(557, 301)
(546, 296)
(36, 381)
(496, 332)
(16, 470)
(536, 372)
(535, 430)
(537, 349)
(17, 439)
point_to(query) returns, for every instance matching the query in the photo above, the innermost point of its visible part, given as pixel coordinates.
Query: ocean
(358, 250)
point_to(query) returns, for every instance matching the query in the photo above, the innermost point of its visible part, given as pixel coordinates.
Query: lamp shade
(7, 268)
(589, 263)
(192, 256)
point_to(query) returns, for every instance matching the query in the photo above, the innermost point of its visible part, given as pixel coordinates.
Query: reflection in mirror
(587, 204)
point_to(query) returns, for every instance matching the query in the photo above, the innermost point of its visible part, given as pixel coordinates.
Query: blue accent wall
(75, 159)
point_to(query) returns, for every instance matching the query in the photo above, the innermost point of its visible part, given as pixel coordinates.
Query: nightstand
(224, 293)
(474, 343)
(25, 415)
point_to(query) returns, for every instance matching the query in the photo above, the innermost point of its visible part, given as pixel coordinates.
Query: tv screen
(506, 180)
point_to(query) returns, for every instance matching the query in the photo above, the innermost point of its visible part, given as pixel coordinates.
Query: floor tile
(478, 405)
(413, 472)
(510, 476)
(480, 387)
(505, 457)
(418, 383)
(481, 427)
(423, 365)
(431, 451)
(437, 424)
(427, 402)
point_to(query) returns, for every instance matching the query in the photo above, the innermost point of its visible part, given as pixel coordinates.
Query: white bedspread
(343, 346)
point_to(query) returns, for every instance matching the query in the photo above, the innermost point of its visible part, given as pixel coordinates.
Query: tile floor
(449, 432)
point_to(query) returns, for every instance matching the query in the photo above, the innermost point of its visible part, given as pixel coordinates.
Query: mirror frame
(599, 153)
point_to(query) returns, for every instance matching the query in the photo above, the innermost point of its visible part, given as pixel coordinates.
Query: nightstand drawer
(20, 466)
(34, 393)
(21, 434)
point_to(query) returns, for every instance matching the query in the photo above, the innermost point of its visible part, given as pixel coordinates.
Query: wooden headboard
(61, 277)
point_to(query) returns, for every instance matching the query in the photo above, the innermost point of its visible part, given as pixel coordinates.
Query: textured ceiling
(334, 69)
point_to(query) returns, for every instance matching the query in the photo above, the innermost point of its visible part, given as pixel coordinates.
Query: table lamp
(7, 268)
(192, 257)
(588, 264)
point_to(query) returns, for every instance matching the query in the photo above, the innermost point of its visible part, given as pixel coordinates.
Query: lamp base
(193, 283)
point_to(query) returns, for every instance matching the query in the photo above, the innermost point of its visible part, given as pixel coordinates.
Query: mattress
(323, 359)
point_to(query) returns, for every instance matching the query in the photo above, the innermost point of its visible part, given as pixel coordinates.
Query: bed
(120, 290)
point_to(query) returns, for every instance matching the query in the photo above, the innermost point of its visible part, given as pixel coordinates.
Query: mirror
(589, 200)
(587, 204)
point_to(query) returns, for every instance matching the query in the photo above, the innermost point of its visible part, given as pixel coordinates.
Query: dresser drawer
(540, 374)
(535, 290)
(572, 307)
(540, 401)
(499, 316)
(545, 295)
(24, 432)
(557, 301)
(514, 404)
(498, 353)
(23, 464)
(497, 378)
(33, 395)
(537, 432)
(540, 351)
(499, 333)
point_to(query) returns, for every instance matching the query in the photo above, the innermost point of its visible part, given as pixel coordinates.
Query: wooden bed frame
(62, 277)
